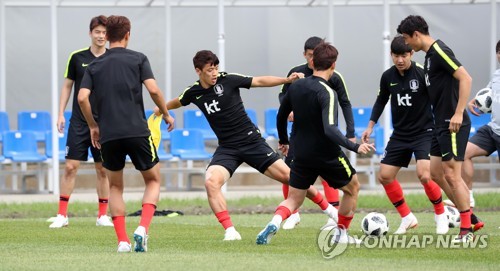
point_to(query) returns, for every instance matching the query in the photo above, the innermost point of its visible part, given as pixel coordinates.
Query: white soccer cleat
(51, 219)
(141, 239)
(341, 237)
(124, 247)
(330, 224)
(407, 222)
(104, 221)
(448, 202)
(59, 222)
(231, 234)
(291, 222)
(442, 225)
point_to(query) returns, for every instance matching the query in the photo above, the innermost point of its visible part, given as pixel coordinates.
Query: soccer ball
(375, 224)
(483, 100)
(453, 216)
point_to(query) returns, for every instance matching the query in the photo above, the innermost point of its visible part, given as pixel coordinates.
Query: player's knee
(213, 183)
(70, 169)
(384, 179)
(424, 178)
(353, 187)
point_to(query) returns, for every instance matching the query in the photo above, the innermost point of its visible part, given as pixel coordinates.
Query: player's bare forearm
(83, 101)
(174, 103)
(464, 87)
(65, 94)
(271, 81)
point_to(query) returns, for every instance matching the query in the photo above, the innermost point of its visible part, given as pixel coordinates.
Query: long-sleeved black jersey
(410, 104)
(317, 137)
(337, 83)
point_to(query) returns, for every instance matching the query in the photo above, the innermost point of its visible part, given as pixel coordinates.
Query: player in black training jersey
(317, 146)
(448, 84)
(217, 94)
(115, 79)
(78, 139)
(404, 84)
(338, 85)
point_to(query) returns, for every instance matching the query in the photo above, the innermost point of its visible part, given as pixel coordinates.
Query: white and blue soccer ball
(483, 100)
(375, 224)
(453, 216)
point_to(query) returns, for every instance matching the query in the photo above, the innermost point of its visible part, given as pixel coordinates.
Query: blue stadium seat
(188, 144)
(252, 114)
(62, 145)
(361, 118)
(165, 135)
(4, 123)
(194, 119)
(477, 122)
(162, 153)
(36, 121)
(270, 123)
(21, 146)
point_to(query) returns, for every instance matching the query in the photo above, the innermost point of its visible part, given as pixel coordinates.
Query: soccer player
(411, 112)
(115, 79)
(486, 140)
(448, 84)
(78, 142)
(217, 95)
(317, 146)
(337, 83)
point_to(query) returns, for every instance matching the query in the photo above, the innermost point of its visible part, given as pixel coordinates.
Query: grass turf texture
(194, 242)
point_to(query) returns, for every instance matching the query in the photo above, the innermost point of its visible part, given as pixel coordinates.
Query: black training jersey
(410, 105)
(317, 136)
(223, 107)
(440, 64)
(116, 78)
(75, 69)
(338, 84)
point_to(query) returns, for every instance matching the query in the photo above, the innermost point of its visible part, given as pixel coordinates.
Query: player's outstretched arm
(83, 101)
(271, 81)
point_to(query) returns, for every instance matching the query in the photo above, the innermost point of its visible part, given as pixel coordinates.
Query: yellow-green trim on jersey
(69, 59)
(445, 56)
(343, 83)
(186, 89)
(331, 117)
(346, 166)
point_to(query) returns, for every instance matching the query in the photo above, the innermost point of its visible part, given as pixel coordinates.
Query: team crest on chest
(219, 89)
(414, 85)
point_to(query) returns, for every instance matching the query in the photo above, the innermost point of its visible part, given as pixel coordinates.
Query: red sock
(322, 203)
(331, 194)
(148, 211)
(224, 219)
(120, 229)
(395, 194)
(465, 224)
(103, 207)
(433, 192)
(63, 205)
(283, 212)
(285, 188)
(344, 221)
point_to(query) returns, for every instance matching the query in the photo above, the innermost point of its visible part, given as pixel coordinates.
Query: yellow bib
(154, 123)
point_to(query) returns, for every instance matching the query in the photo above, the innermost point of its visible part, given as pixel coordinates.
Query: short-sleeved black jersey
(223, 107)
(440, 64)
(75, 69)
(337, 83)
(410, 105)
(317, 136)
(116, 78)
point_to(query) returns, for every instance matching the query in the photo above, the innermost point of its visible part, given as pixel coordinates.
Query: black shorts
(78, 143)
(486, 139)
(141, 151)
(290, 154)
(398, 151)
(449, 145)
(337, 173)
(258, 155)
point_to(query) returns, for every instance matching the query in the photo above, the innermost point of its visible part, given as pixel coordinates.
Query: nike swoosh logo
(198, 97)
(84, 65)
(393, 84)
(269, 154)
(443, 155)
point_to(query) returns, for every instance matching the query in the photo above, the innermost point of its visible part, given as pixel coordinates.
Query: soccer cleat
(141, 239)
(466, 238)
(51, 219)
(330, 224)
(408, 222)
(341, 237)
(231, 235)
(59, 222)
(104, 221)
(124, 247)
(264, 237)
(442, 225)
(477, 223)
(291, 222)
